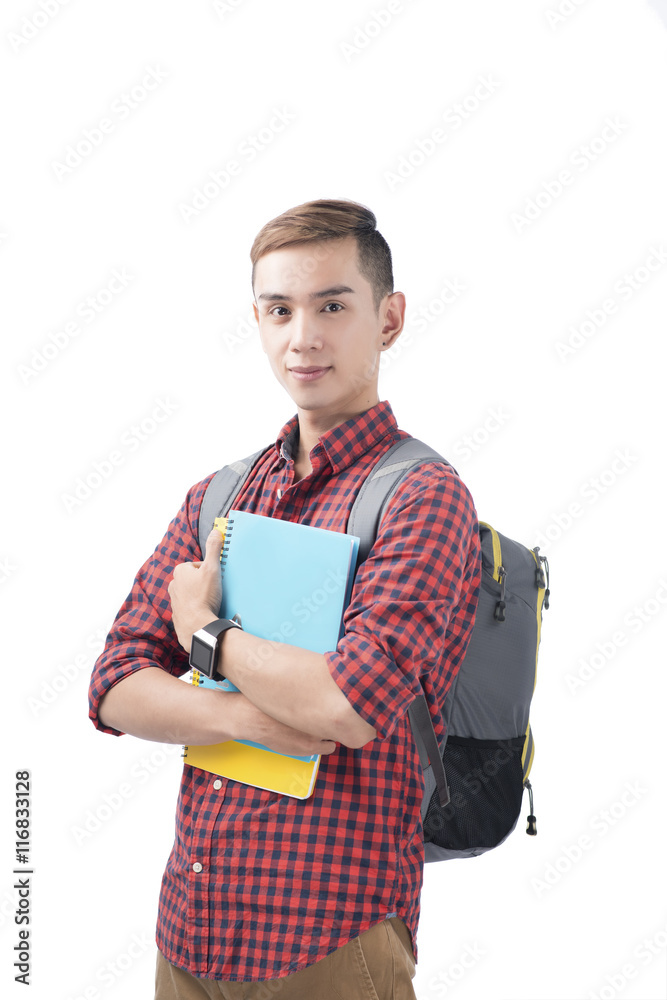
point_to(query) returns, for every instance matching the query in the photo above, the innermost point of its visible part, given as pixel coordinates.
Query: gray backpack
(474, 782)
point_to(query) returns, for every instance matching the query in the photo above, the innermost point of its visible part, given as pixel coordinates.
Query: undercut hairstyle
(331, 219)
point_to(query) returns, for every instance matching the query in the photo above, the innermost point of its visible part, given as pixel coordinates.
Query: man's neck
(311, 428)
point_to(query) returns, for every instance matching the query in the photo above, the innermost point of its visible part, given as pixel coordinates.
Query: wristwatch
(206, 644)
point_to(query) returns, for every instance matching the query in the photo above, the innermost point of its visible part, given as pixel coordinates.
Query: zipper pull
(547, 592)
(499, 613)
(540, 578)
(531, 829)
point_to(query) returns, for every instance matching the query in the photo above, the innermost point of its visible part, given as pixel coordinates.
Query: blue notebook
(288, 582)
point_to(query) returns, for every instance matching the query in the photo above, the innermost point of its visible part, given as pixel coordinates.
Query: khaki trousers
(377, 965)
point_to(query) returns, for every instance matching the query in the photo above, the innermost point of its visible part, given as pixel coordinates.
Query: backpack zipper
(497, 553)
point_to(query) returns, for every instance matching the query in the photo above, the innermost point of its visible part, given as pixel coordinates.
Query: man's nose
(304, 333)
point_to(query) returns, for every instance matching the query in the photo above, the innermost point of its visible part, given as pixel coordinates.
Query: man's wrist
(227, 658)
(206, 618)
(206, 646)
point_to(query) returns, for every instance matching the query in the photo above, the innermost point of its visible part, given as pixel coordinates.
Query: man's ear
(394, 318)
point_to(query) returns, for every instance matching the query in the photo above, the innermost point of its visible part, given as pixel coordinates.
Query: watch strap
(221, 625)
(215, 630)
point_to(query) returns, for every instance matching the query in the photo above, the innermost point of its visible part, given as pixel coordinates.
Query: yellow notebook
(255, 765)
(288, 582)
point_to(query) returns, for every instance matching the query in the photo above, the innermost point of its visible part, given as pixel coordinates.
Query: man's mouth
(310, 373)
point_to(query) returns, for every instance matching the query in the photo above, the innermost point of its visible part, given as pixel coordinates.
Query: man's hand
(195, 591)
(256, 725)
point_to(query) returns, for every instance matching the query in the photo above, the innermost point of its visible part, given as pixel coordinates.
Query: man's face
(318, 326)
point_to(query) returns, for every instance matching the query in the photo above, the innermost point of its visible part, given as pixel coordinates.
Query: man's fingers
(213, 547)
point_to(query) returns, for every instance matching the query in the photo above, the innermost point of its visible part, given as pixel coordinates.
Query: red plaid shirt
(279, 882)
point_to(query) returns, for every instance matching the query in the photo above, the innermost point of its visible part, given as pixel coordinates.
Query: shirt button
(217, 784)
(197, 867)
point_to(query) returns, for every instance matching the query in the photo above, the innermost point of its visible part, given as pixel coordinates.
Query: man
(265, 894)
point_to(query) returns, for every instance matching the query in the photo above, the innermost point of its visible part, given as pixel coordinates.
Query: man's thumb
(214, 544)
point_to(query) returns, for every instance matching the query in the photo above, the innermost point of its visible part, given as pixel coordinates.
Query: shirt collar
(344, 444)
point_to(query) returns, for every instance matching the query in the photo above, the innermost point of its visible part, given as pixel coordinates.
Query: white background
(537, 918)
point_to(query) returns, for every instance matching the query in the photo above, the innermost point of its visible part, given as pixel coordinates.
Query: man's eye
(337, 304)
(273, 311)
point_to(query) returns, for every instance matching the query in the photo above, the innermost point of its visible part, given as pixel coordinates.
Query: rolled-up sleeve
(142, 634)
(414, 600)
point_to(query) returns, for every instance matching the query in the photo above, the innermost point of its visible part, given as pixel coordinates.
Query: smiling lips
(308, 374)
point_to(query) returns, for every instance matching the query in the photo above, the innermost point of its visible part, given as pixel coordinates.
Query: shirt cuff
(355, 666)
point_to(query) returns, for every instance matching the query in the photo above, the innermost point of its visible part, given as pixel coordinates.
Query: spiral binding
(227, 527)
(195, 681)
(226, 542)
(228, 522)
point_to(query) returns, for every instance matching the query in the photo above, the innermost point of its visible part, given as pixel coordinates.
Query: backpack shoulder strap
(380, 486)
(364, 520)
(222, 491)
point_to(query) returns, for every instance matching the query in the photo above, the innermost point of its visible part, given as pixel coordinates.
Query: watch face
(201, 656)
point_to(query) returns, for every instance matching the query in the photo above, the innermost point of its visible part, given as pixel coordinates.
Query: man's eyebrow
(324, 294)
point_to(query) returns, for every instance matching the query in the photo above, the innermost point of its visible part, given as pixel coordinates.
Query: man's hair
(330, 219)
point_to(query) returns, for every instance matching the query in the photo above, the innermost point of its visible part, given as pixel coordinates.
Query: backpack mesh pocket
(485, 781)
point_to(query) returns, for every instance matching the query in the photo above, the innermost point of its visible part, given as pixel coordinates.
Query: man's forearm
(154, 705)
(292, 685)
